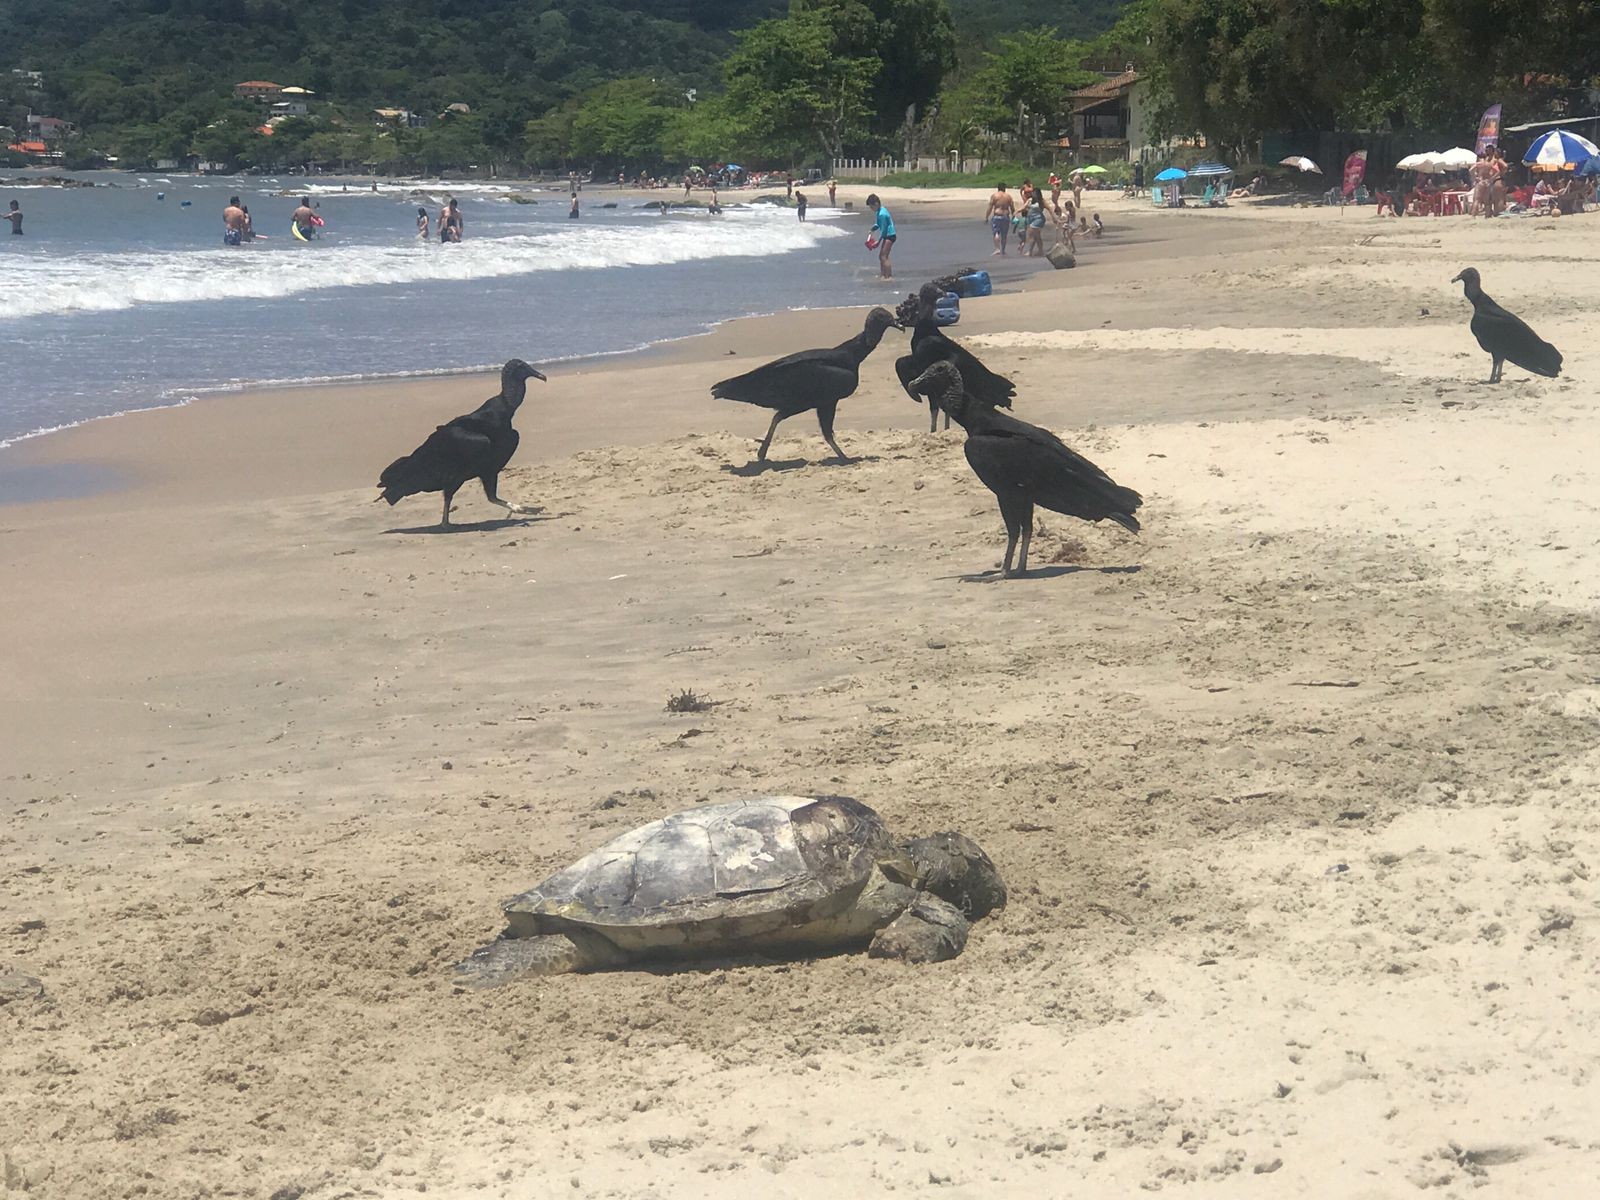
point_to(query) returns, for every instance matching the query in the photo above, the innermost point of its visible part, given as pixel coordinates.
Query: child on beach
(884, 232)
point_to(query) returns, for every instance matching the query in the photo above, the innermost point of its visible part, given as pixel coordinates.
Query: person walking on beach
(800, 204)
(1077, 189)
(883, 229)
(1035, 230)
(1055, 190)
(1001, 206)
(789, 187)
(833, 193)
(233, 223)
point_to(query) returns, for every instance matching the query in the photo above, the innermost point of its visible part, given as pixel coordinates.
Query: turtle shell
(746, 870)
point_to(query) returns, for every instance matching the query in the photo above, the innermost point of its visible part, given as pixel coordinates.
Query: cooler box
(975, 284)
(948, 310)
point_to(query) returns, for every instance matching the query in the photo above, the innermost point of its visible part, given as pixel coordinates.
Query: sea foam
(104, 282)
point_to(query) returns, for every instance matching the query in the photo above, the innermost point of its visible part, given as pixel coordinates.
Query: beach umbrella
(1458, 159)
(1425, 161)
(1300, 161)
(1210, 170)
(735, 167)
(1590, 166)
(1172, 175)
(1559, 150)
(1097, 169)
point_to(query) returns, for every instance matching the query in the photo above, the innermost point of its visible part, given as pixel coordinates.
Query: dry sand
(1295, 793)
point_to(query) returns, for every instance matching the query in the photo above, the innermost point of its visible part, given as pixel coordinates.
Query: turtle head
(954, 868)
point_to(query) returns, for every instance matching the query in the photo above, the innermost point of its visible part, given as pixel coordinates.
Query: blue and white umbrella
(1210, 170)
(1172, 175)
(1559, 150)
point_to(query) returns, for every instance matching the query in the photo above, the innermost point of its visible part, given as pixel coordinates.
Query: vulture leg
(1011, 548)
(449, 495)
(1027, 539)
(490, 483)
(1018, 515)
(933, 416)
(825, 420)
(761, 454)
(1494, 371)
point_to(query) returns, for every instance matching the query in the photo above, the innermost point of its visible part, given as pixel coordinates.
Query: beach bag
(948, 310)
(974, 283)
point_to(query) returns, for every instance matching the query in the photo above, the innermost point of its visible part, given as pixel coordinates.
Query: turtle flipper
(930, 930)
(507, 959)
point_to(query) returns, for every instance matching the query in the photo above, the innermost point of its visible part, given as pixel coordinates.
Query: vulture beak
(1457, 279)
(535, 373)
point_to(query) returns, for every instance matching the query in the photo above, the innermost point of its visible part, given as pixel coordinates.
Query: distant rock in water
(519, 198)
(52, 181)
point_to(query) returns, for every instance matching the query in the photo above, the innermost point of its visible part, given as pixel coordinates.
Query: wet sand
(1294, 792)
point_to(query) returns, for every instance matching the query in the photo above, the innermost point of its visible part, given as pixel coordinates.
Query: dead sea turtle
(776, 875)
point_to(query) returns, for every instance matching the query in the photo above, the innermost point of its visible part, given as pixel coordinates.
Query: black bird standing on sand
(930, 345)
(1504, 336)
(476, 446)
(1024, 465)
(816, 379)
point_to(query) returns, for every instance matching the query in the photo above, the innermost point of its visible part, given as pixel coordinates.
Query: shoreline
(51, 455)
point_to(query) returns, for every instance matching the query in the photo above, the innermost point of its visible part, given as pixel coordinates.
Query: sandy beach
(1294, 793)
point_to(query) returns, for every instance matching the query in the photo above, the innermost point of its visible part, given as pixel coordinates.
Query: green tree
(789, 93)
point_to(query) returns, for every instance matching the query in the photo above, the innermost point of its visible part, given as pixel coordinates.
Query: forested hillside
(985, 20)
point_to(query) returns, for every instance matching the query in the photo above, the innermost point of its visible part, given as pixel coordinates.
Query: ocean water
(121, 298)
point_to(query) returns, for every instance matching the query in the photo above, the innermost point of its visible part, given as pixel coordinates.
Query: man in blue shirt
(883, 230)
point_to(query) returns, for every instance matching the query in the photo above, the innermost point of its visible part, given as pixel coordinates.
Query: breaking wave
(105, 282)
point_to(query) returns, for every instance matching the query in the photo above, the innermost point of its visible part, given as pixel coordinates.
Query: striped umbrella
(1559, 150)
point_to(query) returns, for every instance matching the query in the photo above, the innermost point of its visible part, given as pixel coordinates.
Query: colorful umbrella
(1209, 170)
(1559, 150)
(1097, 169)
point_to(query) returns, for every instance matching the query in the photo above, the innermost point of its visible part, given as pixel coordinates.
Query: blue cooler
(975, 284)
(948, 310)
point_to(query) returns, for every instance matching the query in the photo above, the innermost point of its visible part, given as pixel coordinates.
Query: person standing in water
(883, 229)
(233, 223)
(14, 215)
(455, 225)
(305, 219)
(249, 230)
(833, 193)
(423, 223)
(800, 204)
(572, 213)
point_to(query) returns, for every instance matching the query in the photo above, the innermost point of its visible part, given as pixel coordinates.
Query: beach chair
(1157, 198)
(1209, 194)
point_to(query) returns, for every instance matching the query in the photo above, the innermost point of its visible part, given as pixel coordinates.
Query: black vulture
(476, 446)
(1024, 465)
(930, 345)
(1504, 335)
(816, 379)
